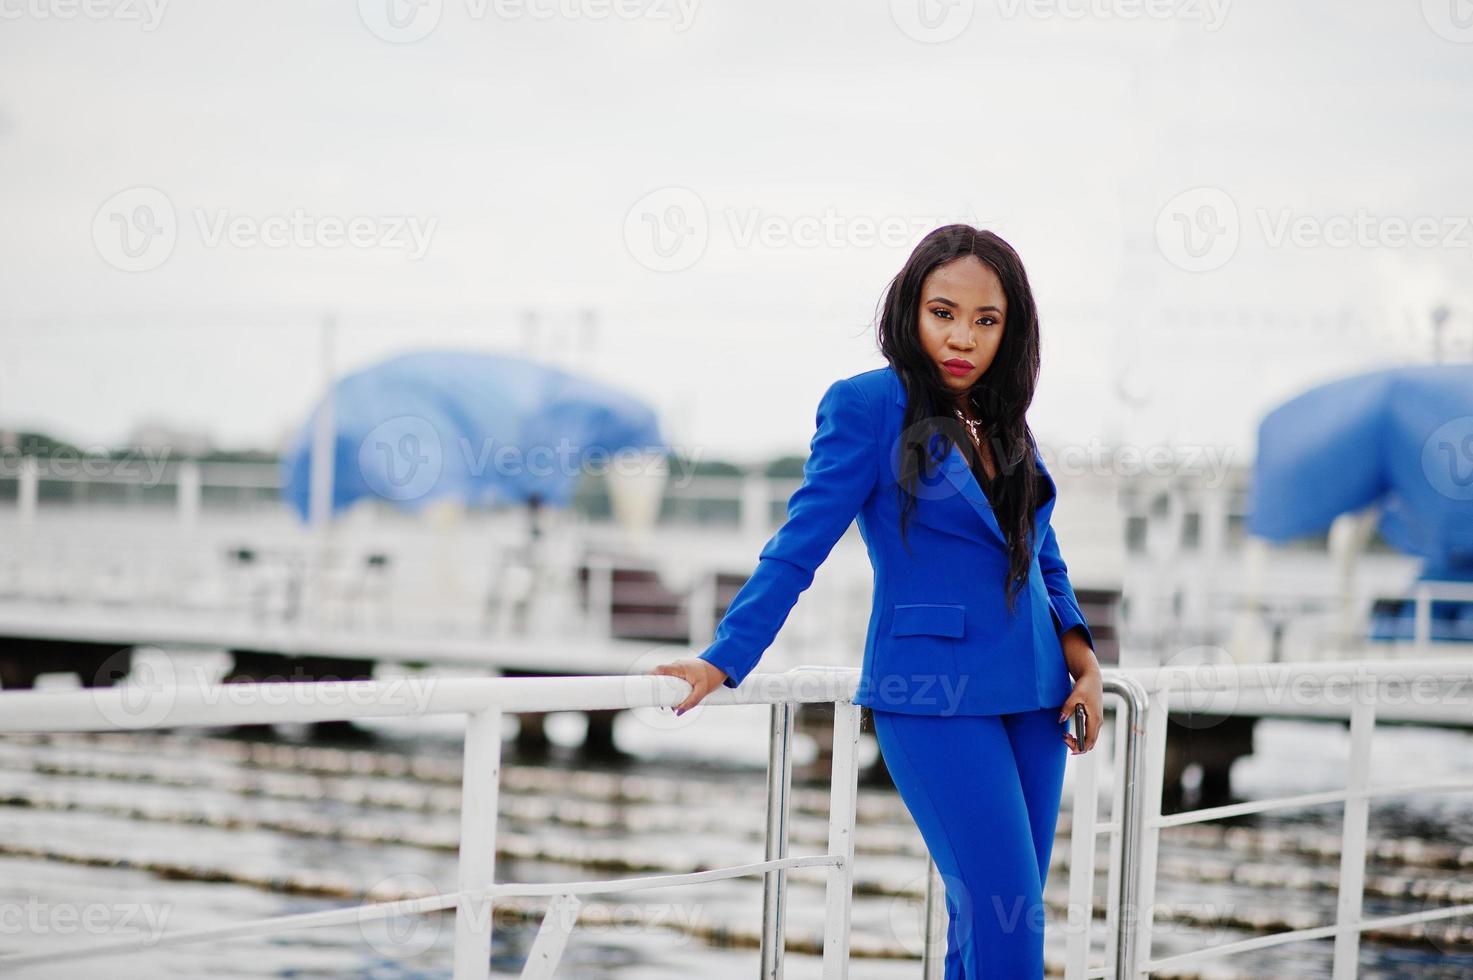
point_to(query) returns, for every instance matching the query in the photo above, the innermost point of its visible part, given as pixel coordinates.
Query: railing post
(1353, 831)
(1083, 813)
(779, 799)
(1137, 915)
(1134, 761)
(480, 786)
(933, 926)
(1116, 879)
(843, 802)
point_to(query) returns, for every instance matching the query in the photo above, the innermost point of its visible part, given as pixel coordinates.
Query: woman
(977, 651)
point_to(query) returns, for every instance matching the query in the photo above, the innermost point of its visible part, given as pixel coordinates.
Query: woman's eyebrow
(943, 299)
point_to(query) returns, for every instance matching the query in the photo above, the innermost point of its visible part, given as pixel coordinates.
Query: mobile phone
(1079, 726)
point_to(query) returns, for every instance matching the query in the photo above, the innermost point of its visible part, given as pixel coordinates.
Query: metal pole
(1139, 843)
(1083, 814)
(843, 801)
(480, 786)
(1117, 839)
(779, 799)
(1131, 714)
(323, 462)
(933, 952)
(1353, 832)
(323, 442)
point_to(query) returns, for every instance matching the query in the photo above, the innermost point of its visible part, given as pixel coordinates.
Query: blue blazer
(941, 639)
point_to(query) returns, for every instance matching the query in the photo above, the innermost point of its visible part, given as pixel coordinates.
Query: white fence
(482, 702)
(1141, 700)
(1437, 691)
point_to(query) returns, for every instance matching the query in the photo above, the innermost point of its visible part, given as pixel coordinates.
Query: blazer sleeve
(841, 470)
(1062, 602)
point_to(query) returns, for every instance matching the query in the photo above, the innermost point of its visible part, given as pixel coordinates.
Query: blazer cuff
(723, 655)
(1067, 615)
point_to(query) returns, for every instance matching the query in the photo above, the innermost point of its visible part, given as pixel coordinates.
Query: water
(197, 828)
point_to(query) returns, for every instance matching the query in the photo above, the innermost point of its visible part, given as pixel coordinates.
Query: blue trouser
(984, 791)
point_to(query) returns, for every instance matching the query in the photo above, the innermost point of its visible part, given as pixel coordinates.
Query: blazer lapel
(977, 519)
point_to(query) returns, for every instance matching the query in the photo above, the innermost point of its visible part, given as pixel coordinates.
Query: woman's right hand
(702, 675)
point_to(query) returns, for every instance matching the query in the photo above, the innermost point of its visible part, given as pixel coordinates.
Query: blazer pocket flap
(928, 618)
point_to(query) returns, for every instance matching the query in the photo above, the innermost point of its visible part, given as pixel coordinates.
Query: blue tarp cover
(1401, 436)
(479, 427)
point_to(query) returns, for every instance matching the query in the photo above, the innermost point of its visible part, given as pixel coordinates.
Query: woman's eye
(942, 313)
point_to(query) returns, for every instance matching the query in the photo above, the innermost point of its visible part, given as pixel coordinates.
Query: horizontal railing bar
(1254, 806)
(429, 903)
(1310, 799)
(128, 708)
(1208, 678)
(1432, 785)
(1300, 935)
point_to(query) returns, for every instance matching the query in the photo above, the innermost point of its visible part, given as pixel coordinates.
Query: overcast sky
(1213, 199)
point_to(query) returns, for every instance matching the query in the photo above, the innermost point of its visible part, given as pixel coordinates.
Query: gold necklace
(972, 429)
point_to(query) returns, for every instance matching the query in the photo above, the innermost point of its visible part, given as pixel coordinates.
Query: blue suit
(964, 693)
(941, 639)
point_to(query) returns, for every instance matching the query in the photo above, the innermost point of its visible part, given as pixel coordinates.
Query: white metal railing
(482, 701)
(1142, 700)
(1130, 705)
(1439, 690)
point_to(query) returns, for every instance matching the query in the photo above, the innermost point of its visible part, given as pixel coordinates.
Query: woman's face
(963, 310)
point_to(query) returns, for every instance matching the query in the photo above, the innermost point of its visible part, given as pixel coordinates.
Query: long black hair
(1000, 397)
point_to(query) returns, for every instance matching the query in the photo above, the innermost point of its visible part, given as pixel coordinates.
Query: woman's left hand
(1088, 691)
